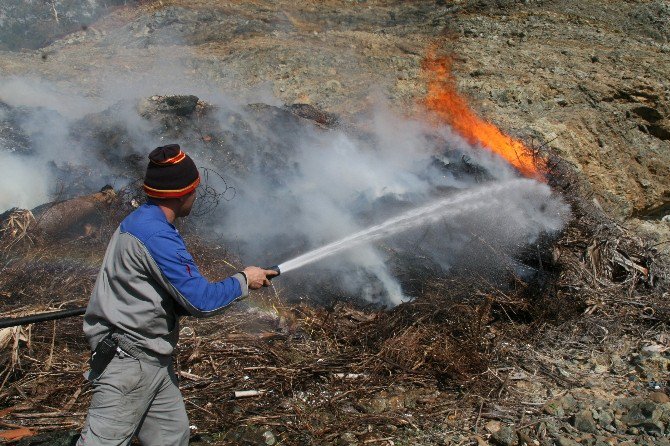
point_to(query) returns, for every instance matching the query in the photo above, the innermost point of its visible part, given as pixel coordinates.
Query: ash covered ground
(522, 325)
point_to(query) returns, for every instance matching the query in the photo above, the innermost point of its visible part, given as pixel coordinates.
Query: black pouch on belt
(102, 355)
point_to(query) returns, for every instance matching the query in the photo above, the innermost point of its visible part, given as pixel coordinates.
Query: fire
(443, 99)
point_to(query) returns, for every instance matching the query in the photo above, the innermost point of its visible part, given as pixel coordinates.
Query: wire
(209, 197)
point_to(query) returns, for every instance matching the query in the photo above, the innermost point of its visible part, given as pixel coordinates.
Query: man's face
(187, 204)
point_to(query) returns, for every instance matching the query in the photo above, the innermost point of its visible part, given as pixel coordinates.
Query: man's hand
(258, 277)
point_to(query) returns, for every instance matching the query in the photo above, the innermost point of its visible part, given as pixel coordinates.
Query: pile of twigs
(15, 226)
(303, 372)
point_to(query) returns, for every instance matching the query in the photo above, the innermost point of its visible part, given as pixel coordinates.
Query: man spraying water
(147, 281)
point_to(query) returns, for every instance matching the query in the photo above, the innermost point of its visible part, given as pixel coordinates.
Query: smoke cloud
(298, 185)
(330, 184)
(19, 186)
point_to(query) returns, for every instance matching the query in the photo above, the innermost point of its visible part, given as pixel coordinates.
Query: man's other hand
(258, 277)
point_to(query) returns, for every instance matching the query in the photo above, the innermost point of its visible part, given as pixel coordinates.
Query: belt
(138, 353)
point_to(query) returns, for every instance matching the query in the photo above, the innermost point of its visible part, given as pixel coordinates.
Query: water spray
(450, 207)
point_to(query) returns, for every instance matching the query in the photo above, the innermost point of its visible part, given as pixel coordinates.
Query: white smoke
(333, 184)
(24, 183)
(298, 186)
(322, 185)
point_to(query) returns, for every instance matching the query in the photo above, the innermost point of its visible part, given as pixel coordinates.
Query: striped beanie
(171, 173)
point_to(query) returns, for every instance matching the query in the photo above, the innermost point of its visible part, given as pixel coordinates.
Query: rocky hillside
(589, 80)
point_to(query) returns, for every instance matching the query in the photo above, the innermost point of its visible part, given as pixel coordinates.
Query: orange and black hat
(171, 173)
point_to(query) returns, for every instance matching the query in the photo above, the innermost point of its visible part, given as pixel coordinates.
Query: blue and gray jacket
(147, 280)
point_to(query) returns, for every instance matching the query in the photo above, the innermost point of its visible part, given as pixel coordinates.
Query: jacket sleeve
(177, 272)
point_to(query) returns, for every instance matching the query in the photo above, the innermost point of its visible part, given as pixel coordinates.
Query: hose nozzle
(274, 268)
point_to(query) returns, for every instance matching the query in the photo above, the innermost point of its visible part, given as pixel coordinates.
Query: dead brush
(46, 276)
(436, 337)
(15, 228)
(312, 365)
(11, 340)
(411, 349)
(600, 263)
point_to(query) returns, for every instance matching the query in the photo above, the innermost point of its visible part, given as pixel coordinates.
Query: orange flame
(443, 99)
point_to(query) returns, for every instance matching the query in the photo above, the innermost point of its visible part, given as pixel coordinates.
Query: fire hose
(41, 317)
(54, 315)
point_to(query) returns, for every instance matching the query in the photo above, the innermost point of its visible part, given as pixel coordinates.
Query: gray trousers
(133, 397)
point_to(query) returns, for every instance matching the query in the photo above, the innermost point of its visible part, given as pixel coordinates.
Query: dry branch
(461, 342)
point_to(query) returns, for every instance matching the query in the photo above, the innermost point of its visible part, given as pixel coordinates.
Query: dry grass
(451, 351)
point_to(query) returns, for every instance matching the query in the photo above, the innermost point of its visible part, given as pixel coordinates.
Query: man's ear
(184, 198)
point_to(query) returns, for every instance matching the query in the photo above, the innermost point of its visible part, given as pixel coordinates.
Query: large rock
(584, 422)
(80, 214)
(505, 436)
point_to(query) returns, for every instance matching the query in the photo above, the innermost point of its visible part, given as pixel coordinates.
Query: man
(147, 280)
